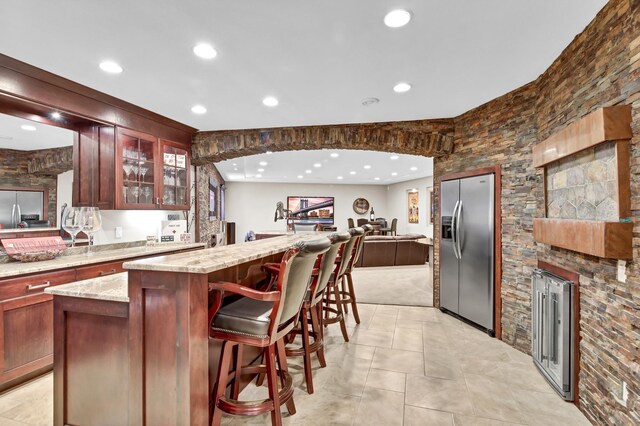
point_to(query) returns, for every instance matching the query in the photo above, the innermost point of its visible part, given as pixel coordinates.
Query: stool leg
(304, 326)
(237, 368)
(272, 380)
(343, 326)
(221, 383)
(356, 315)
(345, 307)
(317, 328)
(282, 357)
(261, 376)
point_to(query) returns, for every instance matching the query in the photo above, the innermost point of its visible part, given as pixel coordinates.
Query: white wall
(252, 205)
(397, 206)
(136, 224)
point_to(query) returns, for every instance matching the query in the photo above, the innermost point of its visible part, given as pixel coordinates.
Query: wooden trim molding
(611, 240)
(602, 125)
(575, 278)
(497, 273)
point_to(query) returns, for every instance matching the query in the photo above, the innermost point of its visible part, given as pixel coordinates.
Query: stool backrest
(347, 253)
(295, 283)
(327, 265)
(351, 223)
(366, 230)
(394, 225)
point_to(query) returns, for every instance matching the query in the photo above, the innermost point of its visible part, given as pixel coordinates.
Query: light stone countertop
(19, 268)
(112, 287)
(426, 240)
(217, 258)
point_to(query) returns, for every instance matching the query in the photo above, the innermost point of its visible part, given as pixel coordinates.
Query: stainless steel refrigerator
(467, 249)
(16, 204)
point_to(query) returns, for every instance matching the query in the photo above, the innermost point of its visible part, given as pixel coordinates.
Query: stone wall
(14, 171)
(601, 67)
(207, 227)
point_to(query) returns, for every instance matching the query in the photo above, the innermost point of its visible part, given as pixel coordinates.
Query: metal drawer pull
(35, 287)
(111, 272)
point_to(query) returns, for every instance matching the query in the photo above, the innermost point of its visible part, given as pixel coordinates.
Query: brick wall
(600, 67)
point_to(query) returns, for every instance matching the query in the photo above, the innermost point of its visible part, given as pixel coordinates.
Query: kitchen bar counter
(21, 230)
(111, 287)
(11, 269)
(214, 259)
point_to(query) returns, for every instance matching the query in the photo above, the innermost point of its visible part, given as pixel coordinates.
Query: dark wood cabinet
(151, 173)
(94, 167)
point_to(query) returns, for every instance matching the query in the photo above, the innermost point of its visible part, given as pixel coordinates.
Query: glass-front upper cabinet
(175, 176)
(151, 173)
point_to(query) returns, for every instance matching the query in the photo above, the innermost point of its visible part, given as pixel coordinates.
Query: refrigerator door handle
(541, 324)
(454, 235)
(458, 238)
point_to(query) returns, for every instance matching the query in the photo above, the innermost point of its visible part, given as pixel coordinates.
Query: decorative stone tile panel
(583, 186)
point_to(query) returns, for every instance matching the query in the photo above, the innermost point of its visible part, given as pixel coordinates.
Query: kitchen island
(144, 358)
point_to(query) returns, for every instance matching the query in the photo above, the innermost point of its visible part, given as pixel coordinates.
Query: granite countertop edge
(112, 288)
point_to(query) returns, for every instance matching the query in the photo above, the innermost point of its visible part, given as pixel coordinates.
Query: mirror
(36, 172)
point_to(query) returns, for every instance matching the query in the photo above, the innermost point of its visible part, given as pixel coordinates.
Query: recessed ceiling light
(56, 115)
(263, 163)
(394, 157)
(300, 176)
(334, 155)
(235, 169)
(269, 152)
(198, 109)
(394, 174)
(367, 166)
(261, 170)
(402, 87)
(370, 101)
(110, 67)
(352, 173)
(316, 165)
(28, 127)
(235, 164)
(205, 51)
(258, 176)
(307, 171)
(339, 178)
(376, 178)
(397, 18)
(270, 101)
(413, 169)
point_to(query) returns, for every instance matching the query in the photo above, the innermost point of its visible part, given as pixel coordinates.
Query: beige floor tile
(34, 412)
(387, 310)
(497, 406)
(336, 354)
(410, 324)
(324, 408)
(442, 364)
(418, 314)
(382, 322)
(517, 356)
(385, 379)
(416, 416)
(438, 394)
(378, 338)
(479, 421)
(346, 379)
(524, 376)
(408, 340)
(547, 405)
(398, 360)
(380, 407)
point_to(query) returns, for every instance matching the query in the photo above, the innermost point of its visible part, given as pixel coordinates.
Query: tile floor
(404, 365)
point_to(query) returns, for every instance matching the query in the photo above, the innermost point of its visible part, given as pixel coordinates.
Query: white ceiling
(320, 58)
(45, 136)
(287, 166)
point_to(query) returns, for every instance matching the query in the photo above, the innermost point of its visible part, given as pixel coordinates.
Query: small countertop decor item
(361, 206)
(34, 249)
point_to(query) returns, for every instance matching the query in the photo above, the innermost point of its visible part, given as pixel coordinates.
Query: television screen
(311, 209)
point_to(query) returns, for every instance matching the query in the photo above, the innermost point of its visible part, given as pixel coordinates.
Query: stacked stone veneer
(208, 228)
(601, 67)
(584, 185)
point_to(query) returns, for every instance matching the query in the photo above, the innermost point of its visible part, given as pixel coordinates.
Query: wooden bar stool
(333, 302)
(347, 293)
(311, 312)
(261, 319)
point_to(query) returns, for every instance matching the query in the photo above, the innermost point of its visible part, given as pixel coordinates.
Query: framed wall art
(413, 206)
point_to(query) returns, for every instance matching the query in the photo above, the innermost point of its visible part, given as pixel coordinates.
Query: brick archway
(429, 138)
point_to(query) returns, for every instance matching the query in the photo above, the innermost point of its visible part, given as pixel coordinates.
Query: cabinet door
(93, 167)
(175, 186)
(136, 169)
(26, 331)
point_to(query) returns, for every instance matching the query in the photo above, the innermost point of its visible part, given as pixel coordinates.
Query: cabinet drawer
(95, 271)
(34, 284)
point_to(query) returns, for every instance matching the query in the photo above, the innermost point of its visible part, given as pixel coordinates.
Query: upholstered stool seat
(244, 317)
